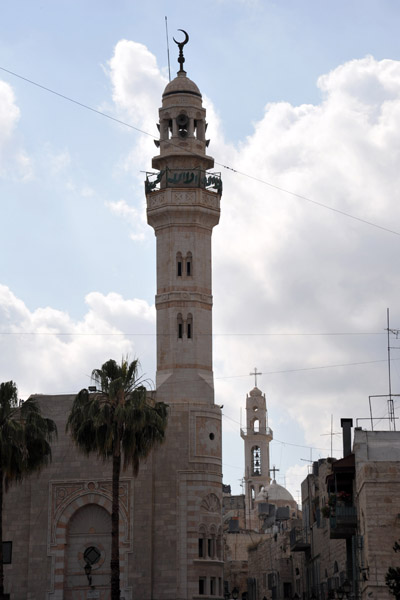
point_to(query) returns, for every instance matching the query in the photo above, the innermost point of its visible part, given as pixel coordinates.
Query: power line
(353, 364)
(281, 441)
(227, 167)
(155, 334)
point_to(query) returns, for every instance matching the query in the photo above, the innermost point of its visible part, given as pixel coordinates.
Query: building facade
(170, 516)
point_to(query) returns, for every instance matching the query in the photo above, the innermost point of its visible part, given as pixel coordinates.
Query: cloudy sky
(303, 102)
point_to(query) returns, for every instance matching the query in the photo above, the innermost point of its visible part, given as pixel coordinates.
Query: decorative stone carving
(211, 503)
(184, 296)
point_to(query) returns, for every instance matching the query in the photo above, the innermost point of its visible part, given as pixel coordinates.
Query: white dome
(277, 493)
(181, 85)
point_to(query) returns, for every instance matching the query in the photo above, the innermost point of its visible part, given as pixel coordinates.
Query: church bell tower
(257, 437)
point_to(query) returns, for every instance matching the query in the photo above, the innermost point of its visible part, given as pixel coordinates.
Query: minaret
(183, 206)
(257, 437)
(185, 491)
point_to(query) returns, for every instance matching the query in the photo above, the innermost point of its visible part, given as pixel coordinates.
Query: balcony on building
(262, 431)
(342, 511)
(299, 541)
(343, 522)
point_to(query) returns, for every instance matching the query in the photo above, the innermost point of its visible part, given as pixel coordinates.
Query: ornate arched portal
(80, 521)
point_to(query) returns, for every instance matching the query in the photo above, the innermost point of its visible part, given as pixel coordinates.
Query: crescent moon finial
(181, 58)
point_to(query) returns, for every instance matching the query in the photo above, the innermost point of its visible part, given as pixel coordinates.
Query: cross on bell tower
(255, 375)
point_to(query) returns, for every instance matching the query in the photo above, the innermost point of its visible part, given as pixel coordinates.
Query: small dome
(277, 493)
(256, 392)
(181, 85)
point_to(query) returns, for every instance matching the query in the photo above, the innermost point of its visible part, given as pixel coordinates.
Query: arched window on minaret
(255, 425)
(189, 266)
(255, 460)
(180, 326)
(189, 326)
(179, 264)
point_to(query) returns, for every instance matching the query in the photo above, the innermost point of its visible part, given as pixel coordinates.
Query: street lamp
(344, 590)
(88, 572)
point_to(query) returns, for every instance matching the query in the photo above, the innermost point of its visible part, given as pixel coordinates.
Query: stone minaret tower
(257, 437)
(183, 206)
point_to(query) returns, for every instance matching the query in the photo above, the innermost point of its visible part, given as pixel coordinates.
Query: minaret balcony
(299, 541)
(183, 178)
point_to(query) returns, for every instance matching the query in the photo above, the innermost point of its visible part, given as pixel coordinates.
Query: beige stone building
(324, 557)
(351, 518)
(377, 487)
(170, 532)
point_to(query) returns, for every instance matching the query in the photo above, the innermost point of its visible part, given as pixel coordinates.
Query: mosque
(171, 536)
(170, 532)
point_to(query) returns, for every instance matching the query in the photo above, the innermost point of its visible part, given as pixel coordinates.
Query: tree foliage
(392, 577)
(25, 445)
(117, 422)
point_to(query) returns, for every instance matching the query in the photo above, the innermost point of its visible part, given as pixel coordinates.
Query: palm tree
(25, 438)
(117, 422)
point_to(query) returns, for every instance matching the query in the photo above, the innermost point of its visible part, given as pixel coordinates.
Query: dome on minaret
(181, 85)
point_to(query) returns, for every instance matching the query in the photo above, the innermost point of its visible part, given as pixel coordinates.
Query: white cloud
(46, 351)
(9, 111)
(283, 265)
(131, 215)
(13, 159)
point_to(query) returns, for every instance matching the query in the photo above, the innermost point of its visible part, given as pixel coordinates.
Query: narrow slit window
(189, 326)
(213, 588)
(202, 586)
(179, 264)
(180, 326)
(189, 269)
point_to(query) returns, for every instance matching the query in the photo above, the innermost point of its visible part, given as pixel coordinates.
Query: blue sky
(291, 99)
